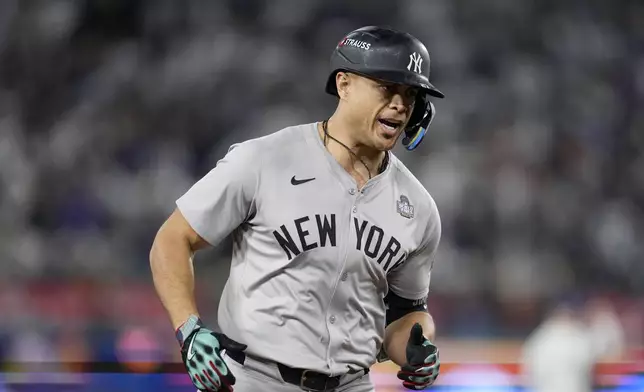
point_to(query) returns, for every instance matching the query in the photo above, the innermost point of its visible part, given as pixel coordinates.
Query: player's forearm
(397, 334)
(173, 276)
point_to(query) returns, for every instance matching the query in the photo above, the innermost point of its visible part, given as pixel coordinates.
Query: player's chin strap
(412, 140)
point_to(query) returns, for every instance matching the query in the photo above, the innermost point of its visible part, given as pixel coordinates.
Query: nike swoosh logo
(295, 181)
(191, 353)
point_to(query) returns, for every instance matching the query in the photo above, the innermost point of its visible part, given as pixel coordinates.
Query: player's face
(384, 109)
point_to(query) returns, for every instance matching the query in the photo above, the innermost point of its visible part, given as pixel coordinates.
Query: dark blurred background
(111, 109)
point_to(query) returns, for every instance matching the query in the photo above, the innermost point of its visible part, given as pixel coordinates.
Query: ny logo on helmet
(416, 61)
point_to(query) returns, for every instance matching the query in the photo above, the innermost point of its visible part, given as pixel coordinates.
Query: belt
(308, 380)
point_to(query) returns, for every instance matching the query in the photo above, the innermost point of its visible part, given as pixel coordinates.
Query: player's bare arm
(172, 271)
(397, 334)
(408, 341)
(171, 264)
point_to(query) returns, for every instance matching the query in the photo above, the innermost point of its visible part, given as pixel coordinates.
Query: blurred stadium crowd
(110, 110)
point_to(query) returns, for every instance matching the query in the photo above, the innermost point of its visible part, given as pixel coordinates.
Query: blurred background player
(560, 354)
(563, 352)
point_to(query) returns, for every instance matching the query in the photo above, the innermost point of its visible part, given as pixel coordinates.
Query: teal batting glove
(201, 354)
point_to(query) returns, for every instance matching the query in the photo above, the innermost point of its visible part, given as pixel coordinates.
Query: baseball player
(333, 239)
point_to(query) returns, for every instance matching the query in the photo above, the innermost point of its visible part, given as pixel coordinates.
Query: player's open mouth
(389, 126)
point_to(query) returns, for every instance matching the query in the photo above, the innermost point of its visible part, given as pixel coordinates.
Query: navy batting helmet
(391, 56)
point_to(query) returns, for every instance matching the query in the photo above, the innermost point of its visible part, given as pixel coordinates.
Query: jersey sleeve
(224, 198)
(411, 279)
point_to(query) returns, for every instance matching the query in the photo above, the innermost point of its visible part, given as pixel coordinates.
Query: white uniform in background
(606, 330)
(559, 356)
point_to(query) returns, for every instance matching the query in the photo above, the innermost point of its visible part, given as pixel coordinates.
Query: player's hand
(423, 364)
(201, 354)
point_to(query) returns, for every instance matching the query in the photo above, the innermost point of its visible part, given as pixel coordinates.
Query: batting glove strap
(187, 328)
(417, 378)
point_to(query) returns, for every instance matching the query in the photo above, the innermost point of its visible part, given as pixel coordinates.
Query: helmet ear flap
(419, 122)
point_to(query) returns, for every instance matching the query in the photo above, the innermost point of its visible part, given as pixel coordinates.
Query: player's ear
(342, 83)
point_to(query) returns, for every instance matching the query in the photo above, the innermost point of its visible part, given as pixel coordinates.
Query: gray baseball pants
(256, 375)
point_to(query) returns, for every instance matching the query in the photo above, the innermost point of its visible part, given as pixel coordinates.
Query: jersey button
(332, 319)
(355, 209)
(345, 276)
(352, 191)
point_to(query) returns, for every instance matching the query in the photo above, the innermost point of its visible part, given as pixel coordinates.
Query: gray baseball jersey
(313, 257)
